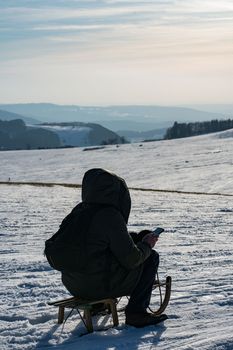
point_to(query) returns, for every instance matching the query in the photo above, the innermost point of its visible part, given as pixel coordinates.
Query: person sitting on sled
(117, 263)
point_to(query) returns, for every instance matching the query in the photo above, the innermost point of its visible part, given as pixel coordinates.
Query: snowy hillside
(196, 249)
(225, 134)
(71, 135)
(78, 134)
(200, 163)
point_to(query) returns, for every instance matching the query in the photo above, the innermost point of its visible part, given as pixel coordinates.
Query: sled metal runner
(85, 305)
(164, 289)
(164, 295)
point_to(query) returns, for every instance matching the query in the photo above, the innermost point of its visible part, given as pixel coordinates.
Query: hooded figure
(114, 263)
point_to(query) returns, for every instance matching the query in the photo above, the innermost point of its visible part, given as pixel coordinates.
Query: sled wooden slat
(85, 305)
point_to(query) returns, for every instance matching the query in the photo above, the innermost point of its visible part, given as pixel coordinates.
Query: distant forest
(179, 130)
(14, 134)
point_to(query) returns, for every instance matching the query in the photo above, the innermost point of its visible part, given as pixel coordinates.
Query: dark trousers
(141, 294)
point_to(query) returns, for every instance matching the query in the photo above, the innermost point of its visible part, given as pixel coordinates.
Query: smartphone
(157, 231)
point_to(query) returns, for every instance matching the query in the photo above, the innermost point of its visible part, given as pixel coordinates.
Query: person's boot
(143, 319)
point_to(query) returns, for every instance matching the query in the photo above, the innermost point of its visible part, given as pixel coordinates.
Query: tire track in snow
(71, 185)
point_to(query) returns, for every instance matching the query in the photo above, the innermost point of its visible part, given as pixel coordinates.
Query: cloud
(190, 36)
(22, 17)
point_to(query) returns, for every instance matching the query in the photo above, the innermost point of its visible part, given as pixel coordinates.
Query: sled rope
(63, 326)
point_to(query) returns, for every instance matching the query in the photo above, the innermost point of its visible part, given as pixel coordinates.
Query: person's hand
(150, 239)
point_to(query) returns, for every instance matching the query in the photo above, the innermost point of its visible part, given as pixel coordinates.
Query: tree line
(179, 130)
(15, 135)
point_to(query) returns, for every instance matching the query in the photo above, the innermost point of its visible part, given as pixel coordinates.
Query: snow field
(201, 163)
(196, 250)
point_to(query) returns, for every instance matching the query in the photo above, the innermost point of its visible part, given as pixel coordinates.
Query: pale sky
(106, 52)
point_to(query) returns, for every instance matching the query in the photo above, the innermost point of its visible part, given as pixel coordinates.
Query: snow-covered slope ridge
(225, 134)
(201, 163)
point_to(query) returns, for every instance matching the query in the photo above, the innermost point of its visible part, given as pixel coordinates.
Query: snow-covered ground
(201, 163)
(196, 249)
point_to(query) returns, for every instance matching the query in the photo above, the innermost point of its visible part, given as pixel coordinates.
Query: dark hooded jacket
(113, 262)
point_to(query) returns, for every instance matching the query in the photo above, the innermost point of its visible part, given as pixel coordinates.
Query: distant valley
(16, 135)
(86, 126)
(133, 118)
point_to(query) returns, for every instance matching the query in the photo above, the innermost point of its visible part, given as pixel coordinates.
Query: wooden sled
(85, 305)
(110, 303)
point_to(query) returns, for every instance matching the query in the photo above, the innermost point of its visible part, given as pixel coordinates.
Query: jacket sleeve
(121, 244)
